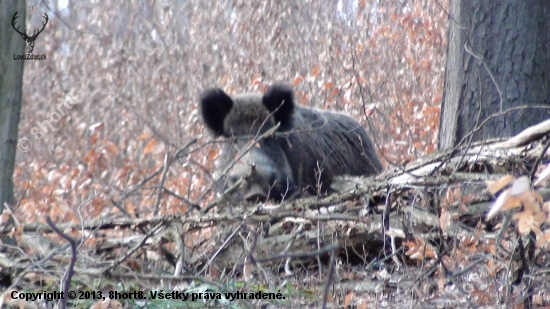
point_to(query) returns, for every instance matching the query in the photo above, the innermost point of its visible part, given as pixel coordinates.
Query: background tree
(497, 81)
(11, 83)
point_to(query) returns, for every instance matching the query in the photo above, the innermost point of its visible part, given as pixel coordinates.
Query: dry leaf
(491, 266)
(97, 126)
(23, 304)
(149, 147)
(111, 147)
(213, 154)
(144, 136)
(315, 70)
(539, 218)
(297, 81)
(523, 218)
(416, 255)
(94, 137)
(457, 194)
(538, 300)
(543, 176)
(97, 305)
(499, 204)
(495, 186)
(520, 194)
(349, 297)
(530, 201)
(413, 248)
(526, 222)
(464, 209)
(115, 304)
(328, 85)
(256, 80)
(493, 249)
(419, 249)
(444, 220)
(543, 239)
(101, 304)
(449, 199)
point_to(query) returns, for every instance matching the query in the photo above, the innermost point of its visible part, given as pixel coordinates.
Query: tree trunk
(11, 81)
(497, 61)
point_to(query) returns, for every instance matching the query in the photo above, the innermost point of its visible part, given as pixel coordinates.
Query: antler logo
(29, 39)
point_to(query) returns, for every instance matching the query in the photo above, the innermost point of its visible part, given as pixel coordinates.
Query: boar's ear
(214, 107)
(279, 100)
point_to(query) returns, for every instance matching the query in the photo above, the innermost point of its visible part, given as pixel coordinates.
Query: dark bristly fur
(310, 147)
(215, 104)
(279, 100)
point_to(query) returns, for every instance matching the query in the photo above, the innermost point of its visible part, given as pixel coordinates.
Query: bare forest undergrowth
(415, 234)
(112, 150)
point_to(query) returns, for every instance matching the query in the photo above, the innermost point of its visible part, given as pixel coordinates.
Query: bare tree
(11, 81)
(497, 80)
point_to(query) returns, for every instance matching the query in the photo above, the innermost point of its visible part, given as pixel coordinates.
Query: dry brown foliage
(126, 169)
(132, 73)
